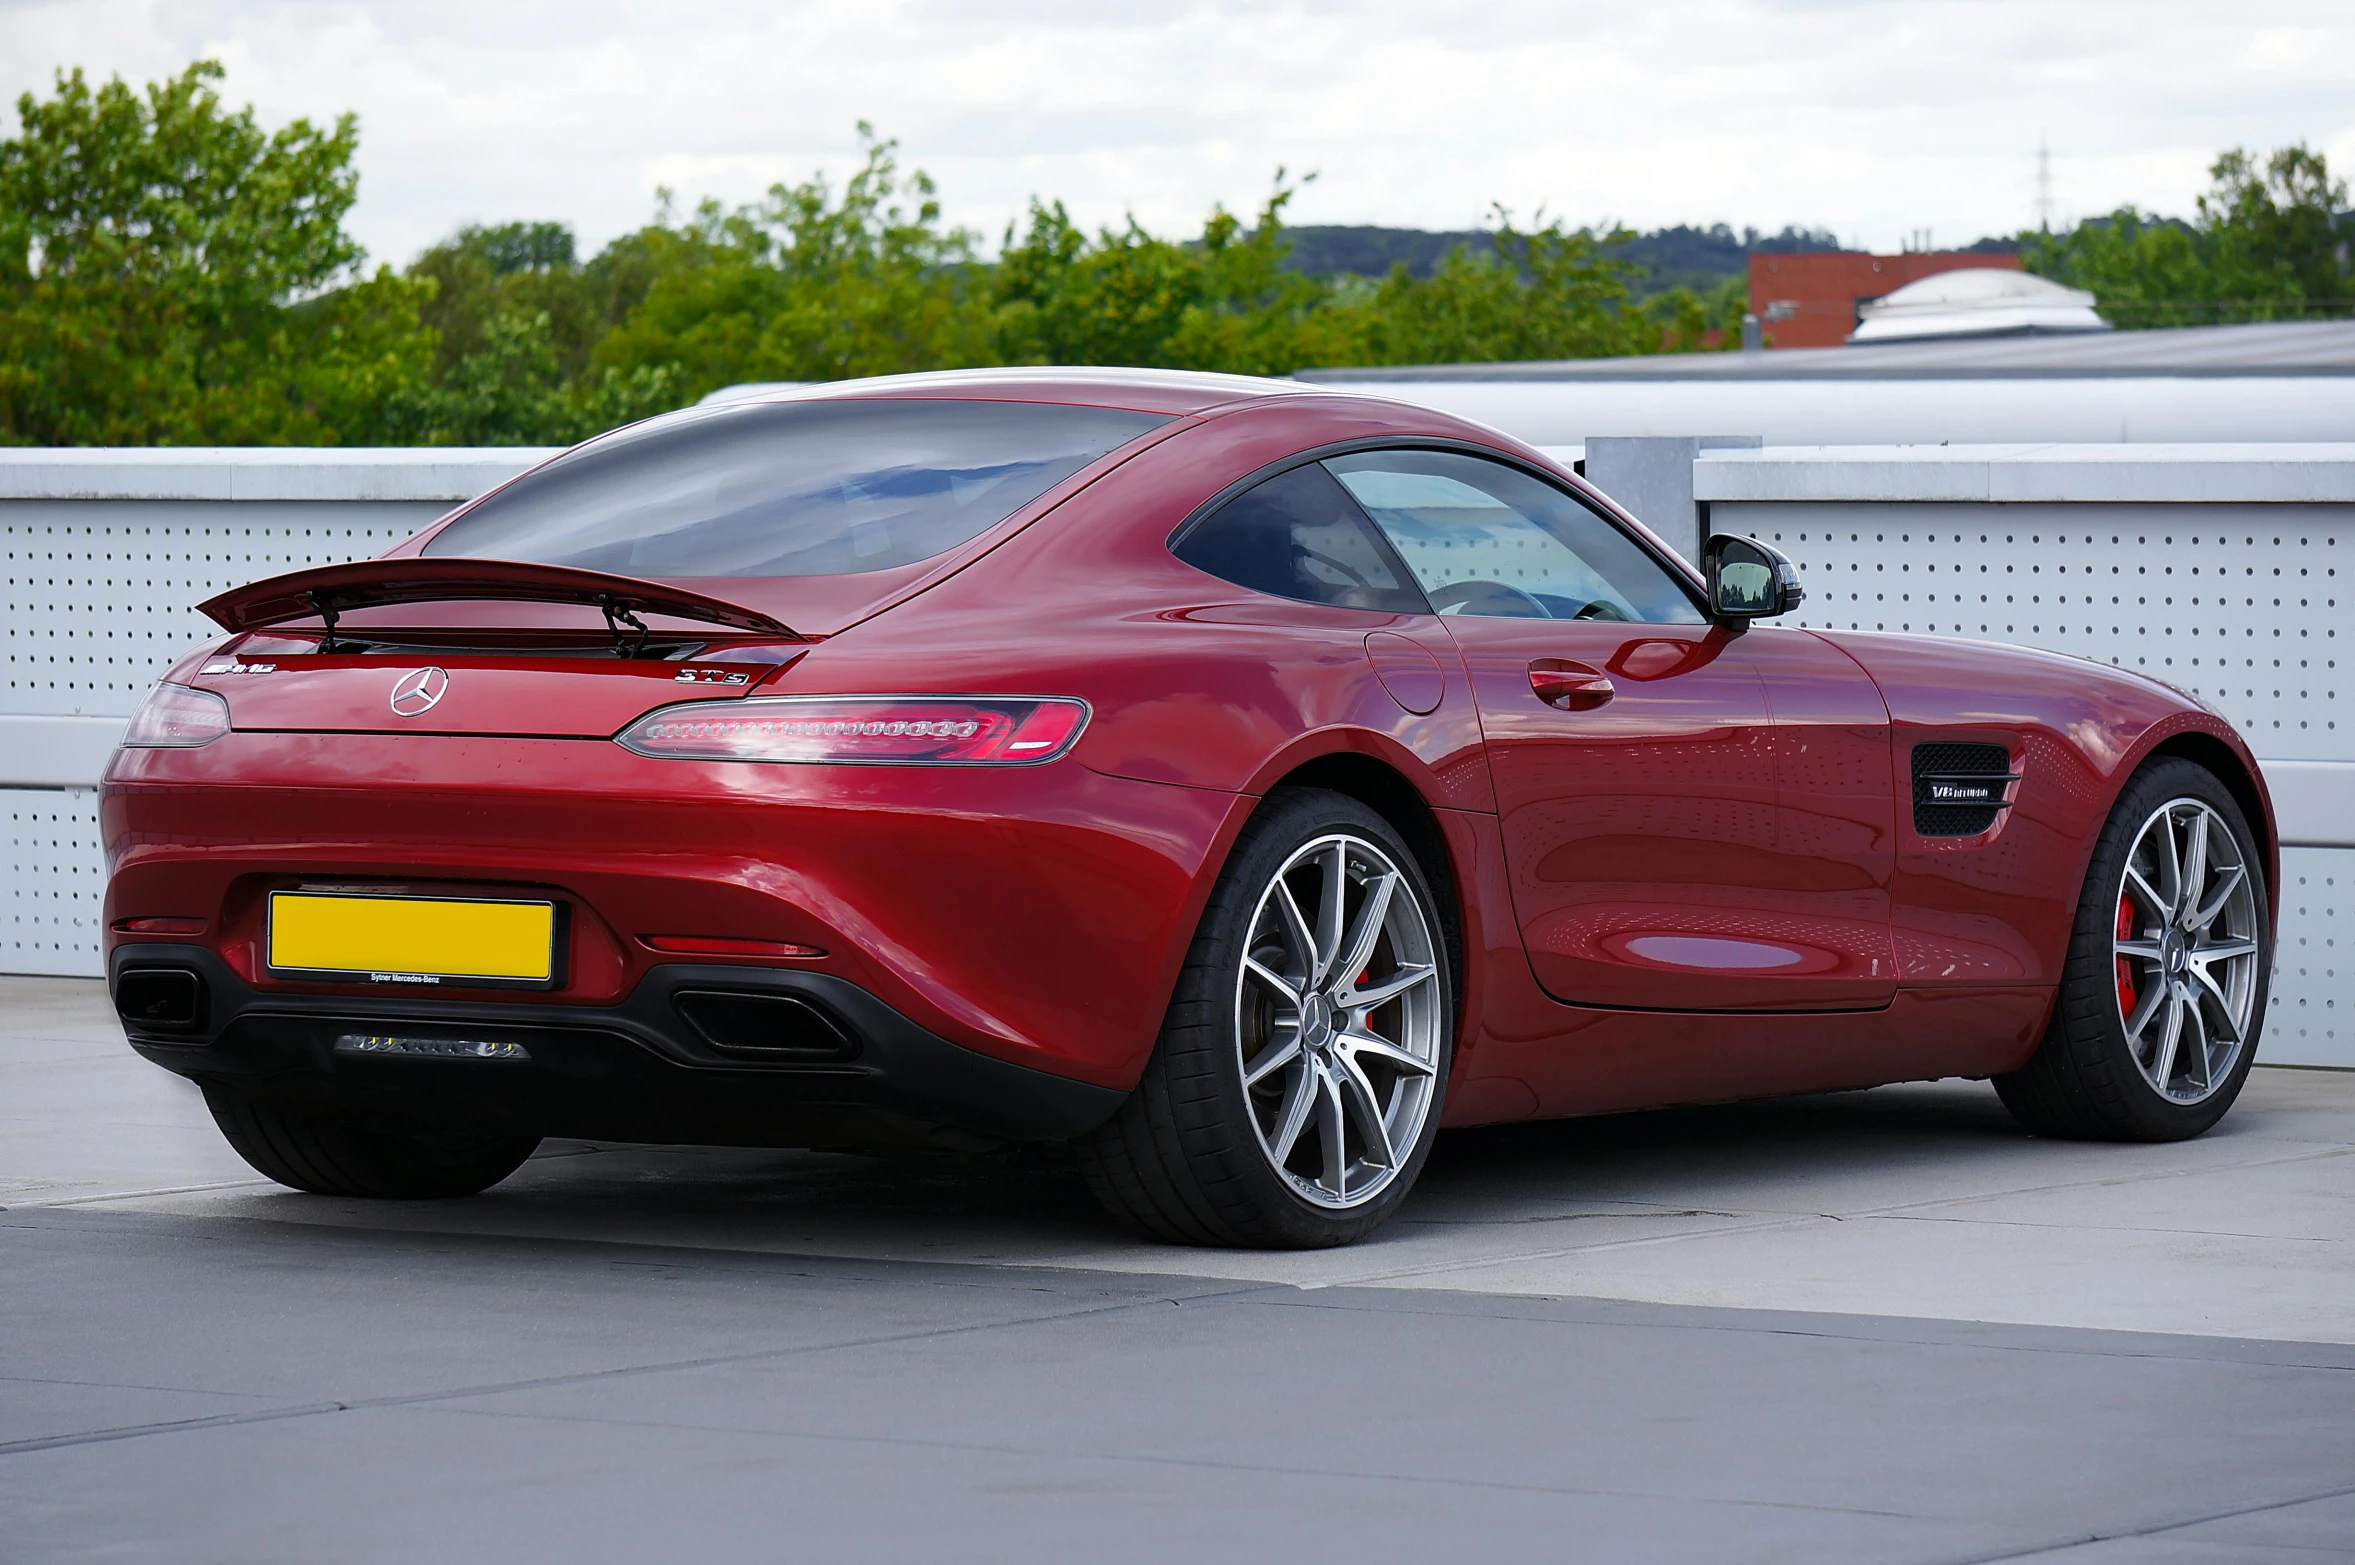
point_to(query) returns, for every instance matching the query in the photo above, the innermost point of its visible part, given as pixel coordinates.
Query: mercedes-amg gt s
(1234, 780)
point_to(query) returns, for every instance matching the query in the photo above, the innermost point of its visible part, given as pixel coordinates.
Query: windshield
(791, 489)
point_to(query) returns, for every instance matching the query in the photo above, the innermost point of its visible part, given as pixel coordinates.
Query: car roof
(1145, 390)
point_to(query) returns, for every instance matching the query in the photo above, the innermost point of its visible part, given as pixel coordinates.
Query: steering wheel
(1355, 577)
(1491, 597)
(1602, 608)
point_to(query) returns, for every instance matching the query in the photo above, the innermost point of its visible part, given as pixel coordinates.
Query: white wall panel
(2245, 606)
(2134, 409)
(102, 594)
(2310, 1019)
(104, 556)
(55, 883)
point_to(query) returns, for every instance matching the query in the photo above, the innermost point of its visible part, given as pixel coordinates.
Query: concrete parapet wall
(1797, 411)
(345, 476)
(2219, 567)
(2312, 472)
(106, 555)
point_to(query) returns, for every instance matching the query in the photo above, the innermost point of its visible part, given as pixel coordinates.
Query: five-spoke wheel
(1296, 1087)
(2186, 949)
(1337, 1019)
(2163, 992)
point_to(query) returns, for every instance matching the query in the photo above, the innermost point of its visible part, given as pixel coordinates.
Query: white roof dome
(1977, 301)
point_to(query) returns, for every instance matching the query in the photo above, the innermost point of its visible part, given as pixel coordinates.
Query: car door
(1634, 753)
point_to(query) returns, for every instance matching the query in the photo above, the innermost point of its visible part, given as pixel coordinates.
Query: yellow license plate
(412, 939)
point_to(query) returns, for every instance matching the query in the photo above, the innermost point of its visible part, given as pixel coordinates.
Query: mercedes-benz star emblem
(419, 691)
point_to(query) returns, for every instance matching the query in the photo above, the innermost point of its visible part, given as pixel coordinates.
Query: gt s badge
(712, 676)
(419, 692)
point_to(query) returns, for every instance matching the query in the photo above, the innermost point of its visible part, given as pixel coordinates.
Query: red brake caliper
(2125, 928)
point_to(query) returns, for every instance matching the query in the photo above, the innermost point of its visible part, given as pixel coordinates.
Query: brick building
(1809, 301)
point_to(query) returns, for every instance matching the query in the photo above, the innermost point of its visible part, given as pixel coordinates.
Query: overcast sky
(1872, 119)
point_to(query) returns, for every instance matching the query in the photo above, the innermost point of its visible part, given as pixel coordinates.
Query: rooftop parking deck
(1603, 1330)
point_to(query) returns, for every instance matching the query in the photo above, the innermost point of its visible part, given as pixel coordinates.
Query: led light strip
(863, 730)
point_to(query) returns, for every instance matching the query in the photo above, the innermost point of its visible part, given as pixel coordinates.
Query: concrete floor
(1878, 1326)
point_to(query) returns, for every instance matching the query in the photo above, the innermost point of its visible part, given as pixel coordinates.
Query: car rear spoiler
(331, 590)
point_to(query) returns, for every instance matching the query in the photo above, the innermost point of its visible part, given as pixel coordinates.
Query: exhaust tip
(771, 1028)
(169, 999)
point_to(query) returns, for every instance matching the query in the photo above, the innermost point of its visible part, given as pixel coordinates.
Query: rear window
(791, 489)
(1299, 536)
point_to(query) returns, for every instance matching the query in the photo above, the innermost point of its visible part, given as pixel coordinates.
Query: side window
(1484, 538)
(1299, 535)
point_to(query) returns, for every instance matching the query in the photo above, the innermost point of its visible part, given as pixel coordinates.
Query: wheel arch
(1389, 793)
(2238, 774)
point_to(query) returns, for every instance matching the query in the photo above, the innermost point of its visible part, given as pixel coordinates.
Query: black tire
(350, 1157)
(2084, 1082)
(1184, 1160)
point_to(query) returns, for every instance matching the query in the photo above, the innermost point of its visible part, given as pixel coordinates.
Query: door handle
(1573, 687)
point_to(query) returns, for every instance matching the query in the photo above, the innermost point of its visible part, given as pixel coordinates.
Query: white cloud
(613, 68)
(1871, 117)
(2296, 50)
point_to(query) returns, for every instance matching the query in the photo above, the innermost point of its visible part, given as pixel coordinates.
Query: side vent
(773, 1029)
(1958, 789)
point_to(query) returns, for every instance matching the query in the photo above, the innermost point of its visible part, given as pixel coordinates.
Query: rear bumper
(846, 1070)
(1033, 914)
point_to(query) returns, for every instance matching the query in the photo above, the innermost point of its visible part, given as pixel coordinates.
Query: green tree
(1224, 301)
(2271, 241)
(171, 272)
(515, 320)
(510, 389)
(1685, 319)
(512, 269)
(803, 285)
(1544, 293)
(166, 267)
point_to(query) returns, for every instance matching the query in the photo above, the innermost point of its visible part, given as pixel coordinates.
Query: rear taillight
(174, 717)
(872, 730)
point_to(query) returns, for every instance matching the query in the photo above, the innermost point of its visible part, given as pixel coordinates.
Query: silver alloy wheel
(1337, 1020)
(2186, 937)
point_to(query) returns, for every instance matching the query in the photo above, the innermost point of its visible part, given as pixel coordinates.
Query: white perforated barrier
(2243, 605)
(56, 882)
(101, 600)
(2308, 1020)
(104, 556)
(2219, 569)
(102, 594)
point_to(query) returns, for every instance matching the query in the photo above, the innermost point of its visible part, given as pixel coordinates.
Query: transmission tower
(2043, 182)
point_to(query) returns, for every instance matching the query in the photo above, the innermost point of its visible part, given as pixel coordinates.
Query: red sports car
(1233, 780)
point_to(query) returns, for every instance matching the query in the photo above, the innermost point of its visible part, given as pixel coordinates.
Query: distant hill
(1695, 258)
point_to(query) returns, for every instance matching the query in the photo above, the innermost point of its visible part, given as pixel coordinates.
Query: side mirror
(1747, 580)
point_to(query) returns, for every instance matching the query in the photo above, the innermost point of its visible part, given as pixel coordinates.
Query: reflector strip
(716, 945)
